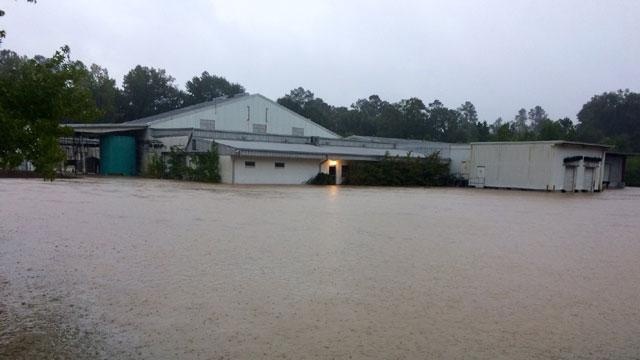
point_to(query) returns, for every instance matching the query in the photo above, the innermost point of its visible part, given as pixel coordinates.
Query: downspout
(233, 170)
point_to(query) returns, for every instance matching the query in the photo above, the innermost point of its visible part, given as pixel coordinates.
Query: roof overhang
(100, 129)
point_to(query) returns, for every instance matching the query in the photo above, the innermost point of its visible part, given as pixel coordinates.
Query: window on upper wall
(297, 131)
(279, 165)
(207, 124)
(260, 128)
(249, 164)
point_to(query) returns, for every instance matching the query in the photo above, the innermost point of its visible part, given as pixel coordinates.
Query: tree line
(145, 90)
(611, 118)
(39, 93)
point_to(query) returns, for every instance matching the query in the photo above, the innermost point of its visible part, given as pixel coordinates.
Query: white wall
(225, 166)
(514, 165)
(530, 165)
(296, 171)
(232, 116)
(459, 155)
(564, 151)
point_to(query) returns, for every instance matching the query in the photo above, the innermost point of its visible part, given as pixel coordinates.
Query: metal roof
(271, 147)
(168, 114)
(104, 128)
(550, 142)
(386, 140)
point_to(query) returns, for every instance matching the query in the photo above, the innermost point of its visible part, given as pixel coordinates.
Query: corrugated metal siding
(242, 114)
(531, 165)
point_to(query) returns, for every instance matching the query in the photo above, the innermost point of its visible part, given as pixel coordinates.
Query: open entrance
(332, 173)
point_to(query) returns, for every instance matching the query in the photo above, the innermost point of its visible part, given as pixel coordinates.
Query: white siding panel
(296, 171)
(459, 155)
(242, 113)
(531, 165)
(226, 169)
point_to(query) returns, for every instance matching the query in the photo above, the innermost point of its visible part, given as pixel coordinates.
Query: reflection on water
(131, 268)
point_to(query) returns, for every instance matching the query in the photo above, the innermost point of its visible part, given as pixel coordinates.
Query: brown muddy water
(132, 268)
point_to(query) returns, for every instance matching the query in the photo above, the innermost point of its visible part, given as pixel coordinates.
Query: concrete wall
(295, 171)
(232, 115)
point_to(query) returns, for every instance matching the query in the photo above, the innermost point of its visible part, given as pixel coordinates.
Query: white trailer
(538, 165)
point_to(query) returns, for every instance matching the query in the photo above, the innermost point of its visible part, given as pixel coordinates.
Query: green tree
(390, 123)
(105, 93)
(537, 115)
(36, 95)
(306, 104)
(612, 117)
(207, 87)
(414, 124)
(483, 131)
(520, 121)
(147, 91)
(469, 121)
(296, 100)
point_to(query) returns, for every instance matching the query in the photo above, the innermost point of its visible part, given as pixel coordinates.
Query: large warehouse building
(259, 142)
(538, 165)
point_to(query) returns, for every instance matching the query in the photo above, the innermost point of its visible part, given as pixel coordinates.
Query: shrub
(204, 166)
(632, 171)
(322, 179)
(177, 164)
(400, 171)
(156, 167)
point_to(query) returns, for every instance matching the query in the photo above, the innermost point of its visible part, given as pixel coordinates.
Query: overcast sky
(501, 55)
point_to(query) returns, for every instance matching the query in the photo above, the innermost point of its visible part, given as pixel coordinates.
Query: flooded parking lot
(133, 268)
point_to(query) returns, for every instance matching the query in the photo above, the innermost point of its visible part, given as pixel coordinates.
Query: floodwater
(134, 268)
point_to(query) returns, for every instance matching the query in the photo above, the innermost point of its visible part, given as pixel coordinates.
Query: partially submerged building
(259, 142)
(538, 165)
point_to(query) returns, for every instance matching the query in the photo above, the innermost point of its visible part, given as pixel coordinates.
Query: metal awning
(99, 129)
(259, 148)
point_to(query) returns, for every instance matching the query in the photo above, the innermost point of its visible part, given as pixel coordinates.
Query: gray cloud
(501, 55)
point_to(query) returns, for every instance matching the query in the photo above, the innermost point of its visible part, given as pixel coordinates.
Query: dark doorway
(345, 173)
(332, 173)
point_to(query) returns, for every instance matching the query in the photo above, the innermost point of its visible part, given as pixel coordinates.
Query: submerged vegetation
(178, 165)
(400, 171)
(393, 171)
(322, 179)
(632, 173)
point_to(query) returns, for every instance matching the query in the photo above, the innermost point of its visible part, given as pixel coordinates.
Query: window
(207, 124)
(249, 164)
(297, 131)
(193, 145)
(279, 165)
(260, 128)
